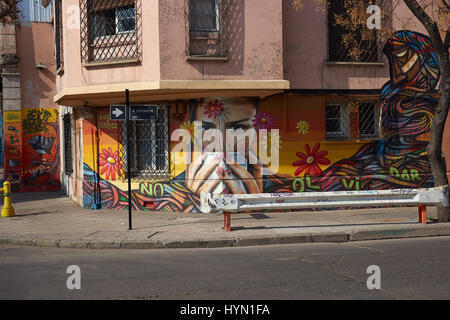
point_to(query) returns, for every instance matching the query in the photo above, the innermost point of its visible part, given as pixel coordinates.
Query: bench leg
(227, 221)
(422, 214)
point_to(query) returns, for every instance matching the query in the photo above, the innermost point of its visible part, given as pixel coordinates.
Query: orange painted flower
(310, 161)
(110, 163)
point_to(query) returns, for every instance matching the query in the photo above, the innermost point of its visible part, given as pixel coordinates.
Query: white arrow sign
(117, 113)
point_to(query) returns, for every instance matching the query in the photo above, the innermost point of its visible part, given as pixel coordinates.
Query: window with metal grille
(337, 51)
(204, 15)
(353, 121)
(369, 120)
(67, 144)
(110, 30)
(149, 152)
(59, 37)
(336, 121)
(207, 33)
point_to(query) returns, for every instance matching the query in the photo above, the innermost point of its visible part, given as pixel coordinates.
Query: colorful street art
(308, 161)
(400, 159)
(32, 149)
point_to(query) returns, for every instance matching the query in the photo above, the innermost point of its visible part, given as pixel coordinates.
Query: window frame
(217, 18)
(153, 173)
(116, 24)
(347, 58)
(344, 116)
(376, 113)
(117, 46)
(346, 134)
(117, 20)
(67, 136)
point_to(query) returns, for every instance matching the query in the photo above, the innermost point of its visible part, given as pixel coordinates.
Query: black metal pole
(127, 121)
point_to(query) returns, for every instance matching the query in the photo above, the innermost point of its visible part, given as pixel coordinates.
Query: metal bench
(234, 203)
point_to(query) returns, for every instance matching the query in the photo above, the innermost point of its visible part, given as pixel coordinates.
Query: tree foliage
(9, 11)
(354, 19)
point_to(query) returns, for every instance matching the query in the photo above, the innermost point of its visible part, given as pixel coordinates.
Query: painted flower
(310, 161)
(214, 109)
(302, 127)
(263, 120)
(110, 163)
(189, 126)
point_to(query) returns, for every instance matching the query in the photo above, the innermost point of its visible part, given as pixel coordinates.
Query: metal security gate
(149, 148)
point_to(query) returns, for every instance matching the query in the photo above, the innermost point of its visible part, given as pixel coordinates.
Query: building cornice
(105, 94)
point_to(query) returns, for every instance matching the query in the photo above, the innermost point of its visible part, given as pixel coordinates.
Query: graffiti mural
(32, 149)
(13, 147)
(308, 160)
(400, 159)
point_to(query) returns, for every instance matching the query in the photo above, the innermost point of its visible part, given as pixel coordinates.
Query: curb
(430, 230)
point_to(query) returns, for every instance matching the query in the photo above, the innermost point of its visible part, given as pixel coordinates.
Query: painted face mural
(397, 160)
(211, 172)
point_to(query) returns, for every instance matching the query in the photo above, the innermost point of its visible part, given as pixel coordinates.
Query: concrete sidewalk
(52, 220)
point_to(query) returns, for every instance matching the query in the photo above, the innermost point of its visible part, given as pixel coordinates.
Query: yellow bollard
(8, 209)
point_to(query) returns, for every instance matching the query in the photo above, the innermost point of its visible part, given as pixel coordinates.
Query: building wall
(270, 41)
(308, 160)
(255, 47)
(76, 75)
(306, 51)
(31, 130)
(255, 43)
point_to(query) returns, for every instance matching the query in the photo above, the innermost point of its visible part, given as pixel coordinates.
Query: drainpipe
(97, 202)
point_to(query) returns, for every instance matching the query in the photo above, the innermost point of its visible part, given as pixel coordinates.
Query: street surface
(410, 269)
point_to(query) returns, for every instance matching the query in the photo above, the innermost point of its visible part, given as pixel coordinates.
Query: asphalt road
(410, 269)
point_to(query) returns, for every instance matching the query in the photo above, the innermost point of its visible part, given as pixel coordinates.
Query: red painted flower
(263, 120)
(310, 161)
(110, 163)
(214, 109)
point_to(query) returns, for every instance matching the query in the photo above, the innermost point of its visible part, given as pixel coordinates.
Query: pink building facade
(259, 66)
(30, 118)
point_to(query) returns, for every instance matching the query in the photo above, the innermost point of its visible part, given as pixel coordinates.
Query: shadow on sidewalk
(38, 213)
(35, 196)
(324, 226)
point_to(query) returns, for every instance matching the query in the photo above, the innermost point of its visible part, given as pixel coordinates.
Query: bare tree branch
(447, 40)
(9, 11)
(430, 25)
(447, 5)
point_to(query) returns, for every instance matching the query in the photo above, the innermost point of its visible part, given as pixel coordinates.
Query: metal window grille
(207, 31)
(110, 30)
(149, 151)
(67, 144)
(339, 52)
(337, 121)
(58, 35)
(369, 120)
(353, 120)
